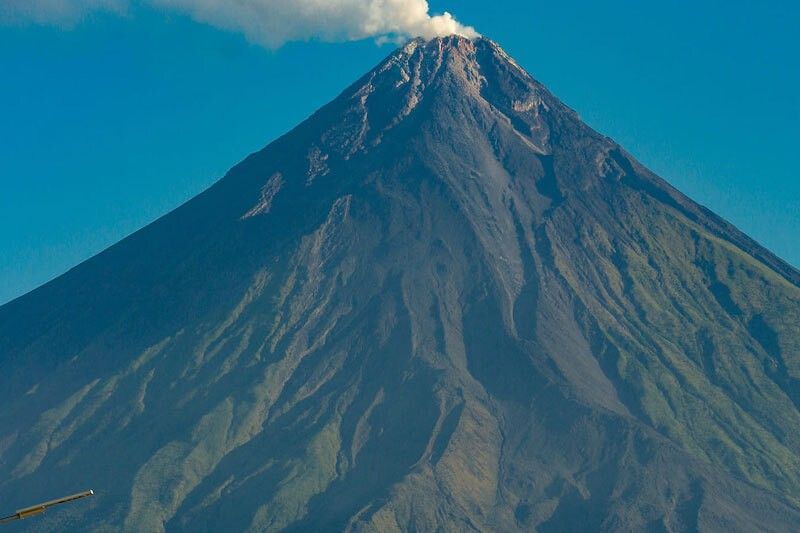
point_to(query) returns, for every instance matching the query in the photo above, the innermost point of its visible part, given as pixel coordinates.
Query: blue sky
(110, 122)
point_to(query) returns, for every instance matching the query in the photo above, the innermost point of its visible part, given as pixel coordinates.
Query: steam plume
(268, 22)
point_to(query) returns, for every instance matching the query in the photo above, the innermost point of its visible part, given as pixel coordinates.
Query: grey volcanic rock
(440, 303)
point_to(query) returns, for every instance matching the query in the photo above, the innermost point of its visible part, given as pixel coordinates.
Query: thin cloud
(54, 12)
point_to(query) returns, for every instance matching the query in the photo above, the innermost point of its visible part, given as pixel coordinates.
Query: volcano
(442, 302)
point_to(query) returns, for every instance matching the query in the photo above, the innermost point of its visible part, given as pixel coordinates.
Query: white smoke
(267, 22)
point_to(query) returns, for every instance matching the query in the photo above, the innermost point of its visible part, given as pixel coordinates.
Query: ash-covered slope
(442, 302)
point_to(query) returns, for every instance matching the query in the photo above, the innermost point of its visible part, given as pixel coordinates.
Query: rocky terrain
(440, 303)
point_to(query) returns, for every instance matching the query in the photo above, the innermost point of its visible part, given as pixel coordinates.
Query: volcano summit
(440, 303)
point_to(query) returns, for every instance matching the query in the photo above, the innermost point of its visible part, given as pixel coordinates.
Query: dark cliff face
(441, 302)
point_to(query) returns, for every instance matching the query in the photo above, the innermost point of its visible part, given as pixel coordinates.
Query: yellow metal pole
(42, 507)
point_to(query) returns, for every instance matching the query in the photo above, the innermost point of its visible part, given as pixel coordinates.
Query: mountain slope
(440, 302)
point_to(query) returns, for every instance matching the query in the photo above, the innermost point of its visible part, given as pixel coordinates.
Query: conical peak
(427, 84)
(454, 74)
(472, 63)
(472, 79)
(452, 46)
(461, 44)
(454, 43)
